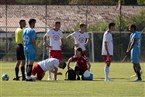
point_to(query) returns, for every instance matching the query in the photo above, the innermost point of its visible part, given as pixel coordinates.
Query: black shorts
(81, 72)
(20, 52)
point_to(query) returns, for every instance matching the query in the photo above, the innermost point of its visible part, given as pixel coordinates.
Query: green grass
(120, 86)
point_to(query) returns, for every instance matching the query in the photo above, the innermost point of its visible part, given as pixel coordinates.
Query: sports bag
(70, 74)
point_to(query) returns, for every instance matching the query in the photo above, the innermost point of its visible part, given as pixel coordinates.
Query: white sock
(49, 75)
(106, 71)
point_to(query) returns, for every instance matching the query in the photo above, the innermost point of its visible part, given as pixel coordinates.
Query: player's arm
(68, 66)
(55, 72)
(34, 44)
(61, 43)
(89, 66)
(34, 40)
(106, 47)
(128, 48)
(69, 60)
(87, 41)
(131, 44)
(70, 37)
(45, 40)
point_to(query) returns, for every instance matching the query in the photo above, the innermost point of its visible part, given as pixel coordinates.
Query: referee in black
(20, 50)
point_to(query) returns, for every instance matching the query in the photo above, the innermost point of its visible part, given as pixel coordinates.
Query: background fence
(96, 17)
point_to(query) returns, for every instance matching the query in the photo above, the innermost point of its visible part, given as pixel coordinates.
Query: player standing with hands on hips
(134, 48)
(80, 38)
(107, 49)
(29, 40)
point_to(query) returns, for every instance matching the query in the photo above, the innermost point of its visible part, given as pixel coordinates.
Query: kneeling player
(51, 64)
(82, 63)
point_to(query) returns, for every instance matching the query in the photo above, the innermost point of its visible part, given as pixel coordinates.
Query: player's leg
(17, 62)
(106, 71)
(29, 69)
(54, 54)
(82, 73)
(23, 69)
(37, 70)
(51, 54)
(135, 61)
(30, 57)
(49, 75)
(40, 75)
(34, 69)
(77, 70)
(134, 71)
(107, 61)
(23, 63)
(138, 72)
(17, 70)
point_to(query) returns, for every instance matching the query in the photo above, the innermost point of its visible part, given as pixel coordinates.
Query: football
(5, 77)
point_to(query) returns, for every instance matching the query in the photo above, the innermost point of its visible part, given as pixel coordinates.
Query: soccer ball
(5, 77)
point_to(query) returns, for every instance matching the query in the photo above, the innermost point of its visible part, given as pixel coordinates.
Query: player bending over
(51, 64)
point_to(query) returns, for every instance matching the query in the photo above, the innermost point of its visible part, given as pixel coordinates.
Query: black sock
(138, 74)
(16, 71)
(134, 69)
(23, 71)
(82, 77)
(29, 70)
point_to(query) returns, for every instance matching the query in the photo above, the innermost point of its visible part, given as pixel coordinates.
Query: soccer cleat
(30, 79)
(49, 78)
(17, 79)
(23, 79)
(138, 80)
(133, 75)
(107, 79)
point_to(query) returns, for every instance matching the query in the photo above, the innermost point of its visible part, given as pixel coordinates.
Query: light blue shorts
(29, 53)
(135, 57)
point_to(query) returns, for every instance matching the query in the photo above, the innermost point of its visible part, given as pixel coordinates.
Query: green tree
(141, 2)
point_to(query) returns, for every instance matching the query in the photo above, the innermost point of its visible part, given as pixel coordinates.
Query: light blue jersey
(29, 51)
(135, 51)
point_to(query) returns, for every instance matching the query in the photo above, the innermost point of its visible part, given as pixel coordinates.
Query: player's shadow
(113, 78)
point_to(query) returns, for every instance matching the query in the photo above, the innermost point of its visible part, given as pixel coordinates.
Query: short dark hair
(22, 20)
(32, 21)
(133, 26)
(110, 25)
(64, 65)
(82, 25)
(79, 49)
(58, 22)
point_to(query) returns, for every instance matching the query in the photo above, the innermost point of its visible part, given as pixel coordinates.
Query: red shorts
(107, 59)
(56, 54)
(38, 70)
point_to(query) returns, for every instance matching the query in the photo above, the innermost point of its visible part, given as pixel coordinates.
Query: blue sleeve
(33, 34)
(137, 36)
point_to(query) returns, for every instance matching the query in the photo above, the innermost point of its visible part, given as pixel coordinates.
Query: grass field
(120, 86)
